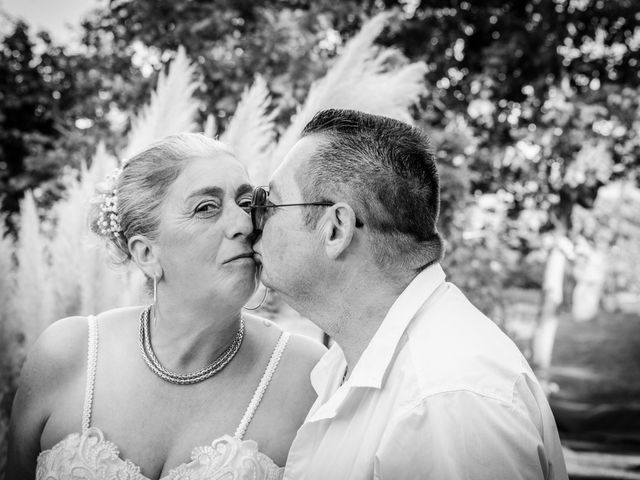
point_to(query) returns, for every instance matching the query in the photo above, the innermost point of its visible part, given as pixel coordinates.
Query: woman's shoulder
(61, 342)
(61, 349)
(56, 357)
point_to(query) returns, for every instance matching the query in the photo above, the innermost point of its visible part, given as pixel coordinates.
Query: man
(419, 384)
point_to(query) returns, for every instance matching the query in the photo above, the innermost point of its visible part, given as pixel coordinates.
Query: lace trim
(227, 458)
(87, 456)
(91, 457)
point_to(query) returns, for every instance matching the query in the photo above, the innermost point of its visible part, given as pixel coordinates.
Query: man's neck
(352, 311)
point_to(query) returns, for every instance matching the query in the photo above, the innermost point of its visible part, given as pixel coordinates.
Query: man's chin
(263, 277)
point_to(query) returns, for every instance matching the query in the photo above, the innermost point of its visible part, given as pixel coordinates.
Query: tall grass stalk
(172, 108)
(7, 272)
(66, 246)
(9, 338)
(251, 132)
(85, 282)
(32, 292)
(9, 328)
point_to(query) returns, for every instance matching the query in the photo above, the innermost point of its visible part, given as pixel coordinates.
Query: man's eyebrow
(207, 191)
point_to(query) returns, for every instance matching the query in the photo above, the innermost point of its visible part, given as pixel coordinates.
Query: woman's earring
(155, 299)
(264, 297)
(155, 290)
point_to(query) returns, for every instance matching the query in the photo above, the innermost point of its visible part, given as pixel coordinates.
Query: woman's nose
(240, 224)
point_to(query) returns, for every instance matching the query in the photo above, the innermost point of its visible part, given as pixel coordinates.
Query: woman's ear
(338, 227)
(144, 253)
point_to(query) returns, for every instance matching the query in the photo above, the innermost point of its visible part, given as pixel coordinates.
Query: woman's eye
(207, 209)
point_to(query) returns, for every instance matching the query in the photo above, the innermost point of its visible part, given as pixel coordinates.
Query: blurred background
(533, 108)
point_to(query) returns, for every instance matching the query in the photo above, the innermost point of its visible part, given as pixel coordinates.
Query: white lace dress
(89, 456)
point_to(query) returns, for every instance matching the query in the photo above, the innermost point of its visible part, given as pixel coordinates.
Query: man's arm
(464, 435)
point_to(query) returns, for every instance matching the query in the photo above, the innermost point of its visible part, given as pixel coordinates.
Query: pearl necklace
(156, 367)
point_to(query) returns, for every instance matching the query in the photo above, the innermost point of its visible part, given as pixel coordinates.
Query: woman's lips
(242, 256)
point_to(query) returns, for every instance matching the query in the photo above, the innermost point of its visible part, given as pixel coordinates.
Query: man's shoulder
(452, 346)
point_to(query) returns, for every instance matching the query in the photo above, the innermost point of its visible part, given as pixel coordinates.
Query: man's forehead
(282, 182)
(285, 179)
(273, 188)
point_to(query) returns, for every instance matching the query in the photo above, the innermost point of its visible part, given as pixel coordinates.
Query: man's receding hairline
(325, 140)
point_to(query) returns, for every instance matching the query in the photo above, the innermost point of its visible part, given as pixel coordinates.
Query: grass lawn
(596, 367)
(598, 361)
(596, 372)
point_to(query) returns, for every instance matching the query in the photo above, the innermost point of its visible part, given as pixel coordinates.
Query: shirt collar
(376, 358)
(326, 368)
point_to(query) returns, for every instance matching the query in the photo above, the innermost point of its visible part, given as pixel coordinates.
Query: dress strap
(262, 386)
(92, 360)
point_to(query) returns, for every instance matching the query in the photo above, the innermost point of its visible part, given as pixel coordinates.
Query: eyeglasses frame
(254, 206)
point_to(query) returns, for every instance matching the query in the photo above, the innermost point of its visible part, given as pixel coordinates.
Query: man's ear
(144, 253)
(338, 226)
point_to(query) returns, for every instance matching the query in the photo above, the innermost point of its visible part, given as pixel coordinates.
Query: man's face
(288, 249)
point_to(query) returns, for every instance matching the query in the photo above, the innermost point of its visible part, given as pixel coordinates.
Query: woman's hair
(140, 188)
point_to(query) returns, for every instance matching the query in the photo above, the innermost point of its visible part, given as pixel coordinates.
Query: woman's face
(204, 240)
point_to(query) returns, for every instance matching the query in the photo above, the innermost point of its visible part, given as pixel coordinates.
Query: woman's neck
(186, 336)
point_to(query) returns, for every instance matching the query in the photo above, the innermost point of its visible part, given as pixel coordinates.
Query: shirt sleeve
(463, 435)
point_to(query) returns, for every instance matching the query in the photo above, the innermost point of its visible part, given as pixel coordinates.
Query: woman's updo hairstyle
(128, 204)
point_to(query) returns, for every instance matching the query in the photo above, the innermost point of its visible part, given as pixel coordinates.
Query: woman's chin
(248, 288)
(244, 267)
(235, 287)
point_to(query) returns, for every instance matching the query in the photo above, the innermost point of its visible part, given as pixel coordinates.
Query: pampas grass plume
(8, 323)
(362, 78)
(251, 132)
(32, 306)
(172, 108)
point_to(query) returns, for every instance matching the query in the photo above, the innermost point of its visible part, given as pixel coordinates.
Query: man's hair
(385, 170)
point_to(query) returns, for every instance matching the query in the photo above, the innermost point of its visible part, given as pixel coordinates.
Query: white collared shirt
(439, 393)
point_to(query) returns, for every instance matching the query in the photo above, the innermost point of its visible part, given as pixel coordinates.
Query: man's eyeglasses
(260, 203)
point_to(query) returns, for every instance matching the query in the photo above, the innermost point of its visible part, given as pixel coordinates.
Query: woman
(158, 392)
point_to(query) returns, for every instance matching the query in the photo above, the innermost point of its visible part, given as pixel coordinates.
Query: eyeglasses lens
(257, 210)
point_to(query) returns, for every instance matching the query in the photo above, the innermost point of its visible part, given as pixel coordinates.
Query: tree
(55, 107)
(29, 100)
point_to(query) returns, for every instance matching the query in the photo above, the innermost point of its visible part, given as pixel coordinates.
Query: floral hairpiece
(108, 221)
